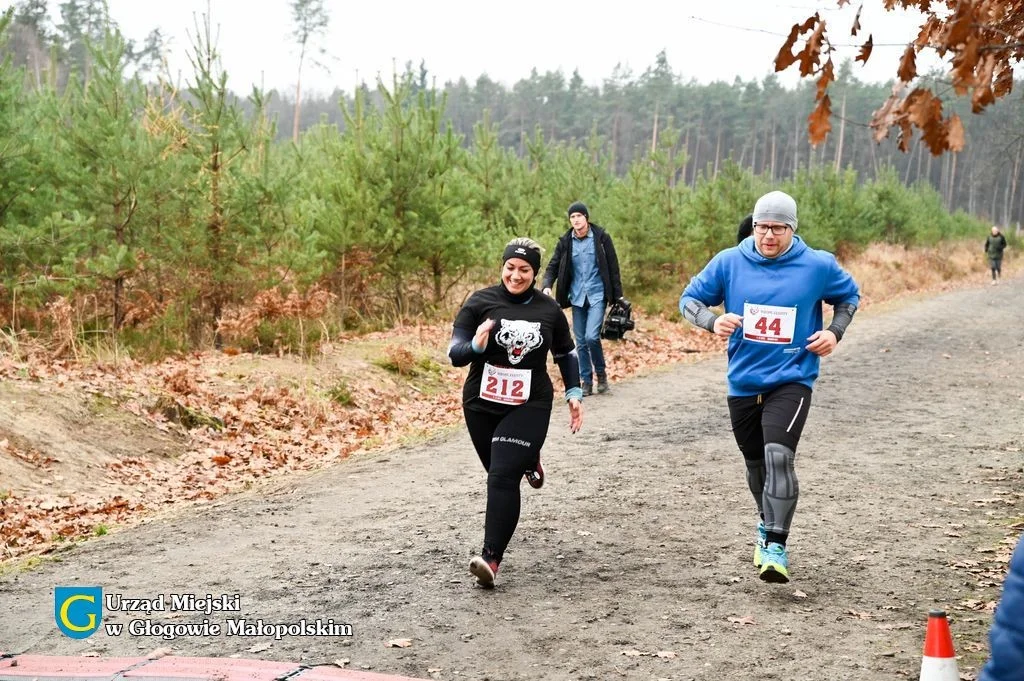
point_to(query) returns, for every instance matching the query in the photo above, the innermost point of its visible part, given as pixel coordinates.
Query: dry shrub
(61, 317)
(887, 270)
(6, 308)
(140, 308)
(240, 323)
(355, 278)
(22, 346)
(399, 359)
(181, 380)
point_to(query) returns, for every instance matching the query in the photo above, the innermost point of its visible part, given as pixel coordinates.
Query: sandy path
(640, 541)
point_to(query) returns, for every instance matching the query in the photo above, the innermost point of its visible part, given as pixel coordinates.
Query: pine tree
(217, 140)
(108, 158)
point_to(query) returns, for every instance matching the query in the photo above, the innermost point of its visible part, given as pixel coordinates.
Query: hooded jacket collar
(750, 252)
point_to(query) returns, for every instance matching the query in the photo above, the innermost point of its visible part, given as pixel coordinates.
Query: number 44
(763, 326)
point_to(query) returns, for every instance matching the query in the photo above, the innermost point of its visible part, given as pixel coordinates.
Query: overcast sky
(703, 40)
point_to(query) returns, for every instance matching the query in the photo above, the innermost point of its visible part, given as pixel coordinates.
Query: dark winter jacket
(994, 246)
(560, 267)
(1006, 638)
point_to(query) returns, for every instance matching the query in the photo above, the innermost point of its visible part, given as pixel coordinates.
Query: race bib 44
(768, 323)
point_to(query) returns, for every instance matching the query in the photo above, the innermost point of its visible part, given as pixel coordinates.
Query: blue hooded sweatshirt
(780, 300)
(1006, 638)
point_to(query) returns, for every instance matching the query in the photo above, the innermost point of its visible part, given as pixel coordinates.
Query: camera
(618, 321)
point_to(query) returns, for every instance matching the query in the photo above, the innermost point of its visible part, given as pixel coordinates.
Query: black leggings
(767, 428)
(776, 416)
(508, 445)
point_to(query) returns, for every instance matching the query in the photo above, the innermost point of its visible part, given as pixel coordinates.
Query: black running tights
(508, 445)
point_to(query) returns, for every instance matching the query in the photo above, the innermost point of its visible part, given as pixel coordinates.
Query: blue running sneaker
(774, 564)
(762, 539)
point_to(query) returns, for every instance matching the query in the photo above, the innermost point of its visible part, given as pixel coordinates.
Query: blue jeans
(586, 326)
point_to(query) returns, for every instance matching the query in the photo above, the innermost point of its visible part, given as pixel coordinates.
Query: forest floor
(340, 488)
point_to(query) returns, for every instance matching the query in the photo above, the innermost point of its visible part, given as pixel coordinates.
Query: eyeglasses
(777, 230)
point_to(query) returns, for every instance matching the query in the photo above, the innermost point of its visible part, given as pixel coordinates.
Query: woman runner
(504, 333)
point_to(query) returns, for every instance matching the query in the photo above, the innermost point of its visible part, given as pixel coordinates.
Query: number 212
(492, 387)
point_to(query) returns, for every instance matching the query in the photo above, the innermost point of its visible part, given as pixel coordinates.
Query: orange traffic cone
(939, 661)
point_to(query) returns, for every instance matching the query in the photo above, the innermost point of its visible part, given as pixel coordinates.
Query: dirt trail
(640, 542)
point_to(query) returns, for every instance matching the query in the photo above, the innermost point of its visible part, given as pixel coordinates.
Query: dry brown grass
(887, 271)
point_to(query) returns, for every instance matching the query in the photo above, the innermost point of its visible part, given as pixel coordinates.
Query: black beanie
(579, 207)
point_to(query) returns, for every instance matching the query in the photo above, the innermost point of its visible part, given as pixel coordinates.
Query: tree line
(759, 125)
(169, 218)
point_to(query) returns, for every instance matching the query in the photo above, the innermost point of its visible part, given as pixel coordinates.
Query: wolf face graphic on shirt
(518, 337)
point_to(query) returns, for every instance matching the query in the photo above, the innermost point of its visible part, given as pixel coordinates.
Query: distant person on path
(773, 287)
(504, 333)
(587, 270)
(995, 244)
(1006, 637)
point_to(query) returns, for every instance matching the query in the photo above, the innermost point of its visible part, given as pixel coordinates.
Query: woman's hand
(575, 415)
(483, 334)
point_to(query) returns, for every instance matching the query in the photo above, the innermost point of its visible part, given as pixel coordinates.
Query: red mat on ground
(170, 668)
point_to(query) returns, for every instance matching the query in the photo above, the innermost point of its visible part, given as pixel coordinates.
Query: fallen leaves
(979, 606)
(859, 615)
(269, 427)
(661, 654)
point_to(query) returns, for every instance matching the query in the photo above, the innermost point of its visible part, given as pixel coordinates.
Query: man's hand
(727, 323)
(822, 343)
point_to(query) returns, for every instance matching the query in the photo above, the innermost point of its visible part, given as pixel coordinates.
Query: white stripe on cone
(939, 669)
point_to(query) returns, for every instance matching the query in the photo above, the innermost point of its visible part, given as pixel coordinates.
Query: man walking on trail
(772, 285)
(995, 244)
(587, 270)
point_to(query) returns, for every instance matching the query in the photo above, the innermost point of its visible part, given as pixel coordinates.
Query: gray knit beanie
(776, 207)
